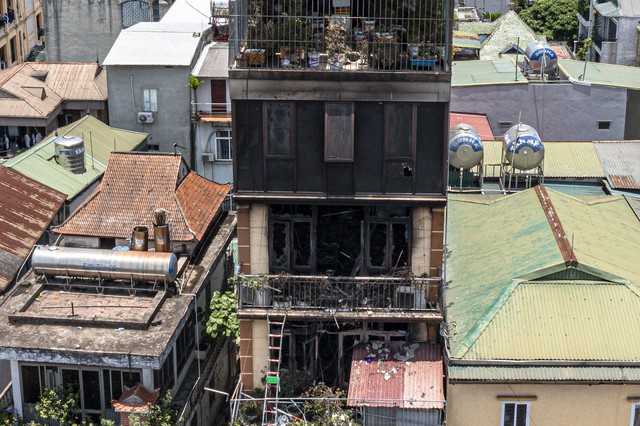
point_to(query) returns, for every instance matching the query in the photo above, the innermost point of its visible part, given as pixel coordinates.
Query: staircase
(272, 385)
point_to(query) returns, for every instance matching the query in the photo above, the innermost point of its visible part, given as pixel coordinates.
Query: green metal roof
(602, 74)
(473, 73)
(562, 159)
(100, 140)
(495, 245)
(477, 27)
(510, 30)
(543, 373)
(567, 320)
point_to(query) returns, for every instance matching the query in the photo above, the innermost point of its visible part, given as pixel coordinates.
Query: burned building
(340, 122)
(101, 318)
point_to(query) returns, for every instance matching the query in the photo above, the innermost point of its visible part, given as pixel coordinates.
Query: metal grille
(133, 12)
(341, 34)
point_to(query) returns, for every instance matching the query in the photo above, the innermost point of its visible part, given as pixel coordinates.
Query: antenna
(175, 148)
(93, 166)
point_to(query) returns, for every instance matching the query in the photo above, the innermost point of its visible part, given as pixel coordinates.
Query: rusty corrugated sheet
(134, 185)
(620, 161)
(27, 208)
(479, 121)
(397, 374)
(200, 200)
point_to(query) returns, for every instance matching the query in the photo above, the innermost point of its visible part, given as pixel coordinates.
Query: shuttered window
(338, 131)
(515, 414)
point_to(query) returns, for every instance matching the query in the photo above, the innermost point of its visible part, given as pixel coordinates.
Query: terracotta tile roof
(37, 89)
(478, 121)
(137, 399)
(27, 207)
(200, 200)
(397, 374)
(134, 185)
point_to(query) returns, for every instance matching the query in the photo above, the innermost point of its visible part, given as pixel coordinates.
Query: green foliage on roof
(554, 18)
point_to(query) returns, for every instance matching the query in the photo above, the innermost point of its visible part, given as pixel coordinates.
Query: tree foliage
(554, 18)
(223, 320)
(59, 404)
(160, 414)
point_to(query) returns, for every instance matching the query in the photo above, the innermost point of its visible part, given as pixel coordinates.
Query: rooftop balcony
(321, 296)
(341, 35)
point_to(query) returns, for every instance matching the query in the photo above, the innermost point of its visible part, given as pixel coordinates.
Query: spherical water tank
(541, 56)
(523, 148)
(465, 147)
(70, 153)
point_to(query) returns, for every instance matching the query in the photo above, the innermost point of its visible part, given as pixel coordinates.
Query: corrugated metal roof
(473, 73)
(562, 159)
(156, 43)
(608, 9)
(634, 202)
(213, 61)
(380, 371)
(478, 121)
(543, 373)
(567, 320)
(621, 162)
(38, 163)
(509, 30)
(491, 245)
(602, 74)
(27, 208)
(134, 186)
(477, 27)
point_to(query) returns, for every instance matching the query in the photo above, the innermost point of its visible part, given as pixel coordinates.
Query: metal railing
(212, 109)
(305, 410)
(340, 34)
(339, 293)
(6, 396)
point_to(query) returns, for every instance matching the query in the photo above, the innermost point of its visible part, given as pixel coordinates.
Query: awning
(466, 40)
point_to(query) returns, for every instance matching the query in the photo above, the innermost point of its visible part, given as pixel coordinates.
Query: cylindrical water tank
(140, 238)
(465, 147)
(523, 148)
(541, 56)
(55, 261)
(70, 153)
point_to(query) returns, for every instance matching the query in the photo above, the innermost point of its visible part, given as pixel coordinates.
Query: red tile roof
(137, 399)
(27, 207)
(479, 121)
(137, 183)
(410, 374)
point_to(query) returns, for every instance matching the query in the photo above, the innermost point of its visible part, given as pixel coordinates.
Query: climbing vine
(223, 320)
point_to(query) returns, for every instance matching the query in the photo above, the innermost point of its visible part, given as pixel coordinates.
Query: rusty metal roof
(387, 374)
(621, 163)
(134, 186)
(478, 121)
(27, 207)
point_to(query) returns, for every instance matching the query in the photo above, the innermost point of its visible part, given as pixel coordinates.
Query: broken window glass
(399, 245)
(302, 243)
(280, 245)
(378, 245)
(279, 120)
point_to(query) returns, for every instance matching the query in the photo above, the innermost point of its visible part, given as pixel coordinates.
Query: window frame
(149, 102)
(634, 406)
(220, 139)
(604, 122)
(328, 129)
(516, 403)
(387, 135)
(292, 134)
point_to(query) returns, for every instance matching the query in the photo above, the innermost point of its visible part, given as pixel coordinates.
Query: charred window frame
(279, 135)
(338, 131)
(186, 342)
(400, 121)
(387, 240)
(291, 239)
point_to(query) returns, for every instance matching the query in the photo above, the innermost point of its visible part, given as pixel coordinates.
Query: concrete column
(421, 241)
(17, 387)
(147, 379)
(259, 237)
(260, 351)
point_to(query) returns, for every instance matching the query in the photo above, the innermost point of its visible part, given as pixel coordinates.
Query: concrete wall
(421, 241)
(627, 49)
(258, 225)
(171, 121)
(220, 170)
(555, 404)
(558, 111)
(260, 351)
(80, 31)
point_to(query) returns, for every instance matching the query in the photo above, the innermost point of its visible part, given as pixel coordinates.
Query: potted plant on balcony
(335, 40)
(426, 58)
(292, 34)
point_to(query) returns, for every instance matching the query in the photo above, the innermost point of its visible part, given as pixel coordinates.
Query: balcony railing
(213, 111)
(294, 292)
(354, 35)
(6, 397)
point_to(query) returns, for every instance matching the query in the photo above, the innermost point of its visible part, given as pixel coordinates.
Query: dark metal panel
(631, 122)
(430, 148)
(248, 146)
(279, 175)
(309, 146)
(369, 147)
(339, 178)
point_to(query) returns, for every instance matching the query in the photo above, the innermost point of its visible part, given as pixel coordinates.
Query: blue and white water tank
(541, 56)
(465, 147)
(522, 147)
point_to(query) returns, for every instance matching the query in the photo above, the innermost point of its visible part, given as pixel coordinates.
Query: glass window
(150, 100)
(31, 384)
(338, 131)
(279, 122)
(223, 145)
(153, 148)
(515, 414)
(91, 390)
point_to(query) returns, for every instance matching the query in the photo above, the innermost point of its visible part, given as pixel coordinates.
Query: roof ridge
(566, 248)
(184, 217)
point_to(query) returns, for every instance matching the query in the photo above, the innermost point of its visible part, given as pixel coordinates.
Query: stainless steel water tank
(69, 152)
(523, 148)
(465, 147)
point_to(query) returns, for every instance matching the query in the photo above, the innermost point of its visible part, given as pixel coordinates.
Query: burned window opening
(280, 245)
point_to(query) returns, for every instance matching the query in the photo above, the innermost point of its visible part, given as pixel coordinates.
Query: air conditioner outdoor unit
(410, 297)
(145, 117)
(208, 157)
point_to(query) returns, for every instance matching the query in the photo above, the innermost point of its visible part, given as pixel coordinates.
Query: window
(223, 145)
(279, 132)
(114, 382)
(399, 130)
(604, 125)
(153, 148)
(504, 126)
(133, 12)
(635, 414)
(338, 131)
(290, 237)
(515, 414)
(150, 100)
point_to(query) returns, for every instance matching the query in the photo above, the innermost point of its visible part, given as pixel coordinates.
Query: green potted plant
(427, 56)
(335, 41)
